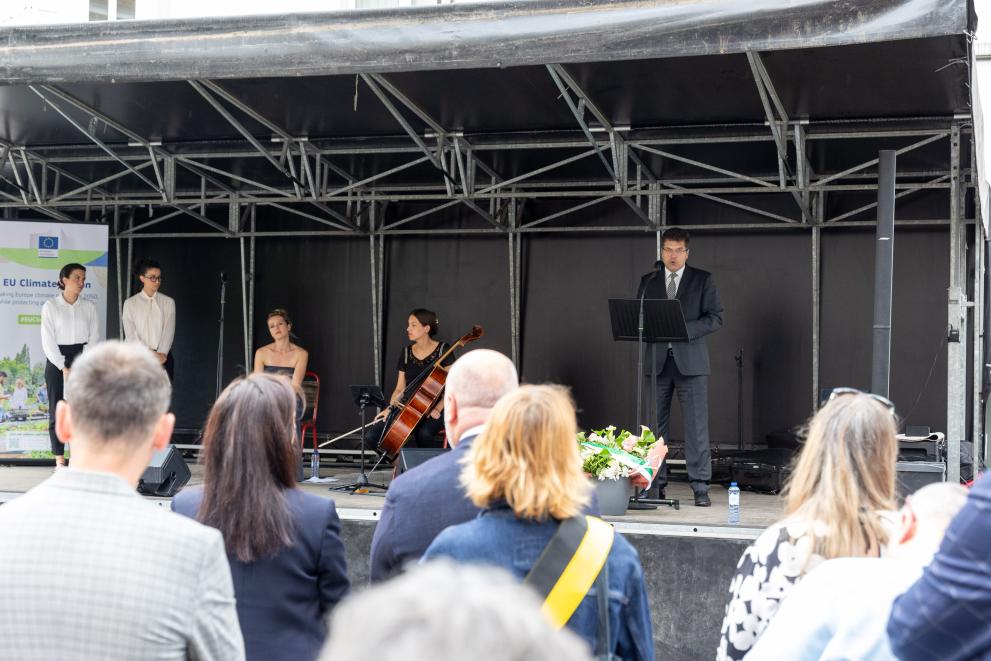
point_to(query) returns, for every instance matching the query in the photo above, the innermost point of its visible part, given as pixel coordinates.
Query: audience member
(429, 498)
(840, 610)
(525, 470)
(284, 545)
(946, 615)
(837, 504)
(444, 612)
(90, 569)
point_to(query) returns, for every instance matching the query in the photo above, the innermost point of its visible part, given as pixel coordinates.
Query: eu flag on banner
(47, 246)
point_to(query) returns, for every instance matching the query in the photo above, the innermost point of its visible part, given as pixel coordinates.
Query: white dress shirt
(150, 320)
(62, 323)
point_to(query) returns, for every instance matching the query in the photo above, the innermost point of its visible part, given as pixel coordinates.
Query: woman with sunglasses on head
(68, 323)
(149, 315)
(284, 546)
(839, 502)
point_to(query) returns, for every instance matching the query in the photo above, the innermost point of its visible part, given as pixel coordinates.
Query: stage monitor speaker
(913, 475)
(410, 458)
(165, 475)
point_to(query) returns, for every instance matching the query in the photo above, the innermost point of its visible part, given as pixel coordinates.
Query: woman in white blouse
(68, 323)
(149, 315)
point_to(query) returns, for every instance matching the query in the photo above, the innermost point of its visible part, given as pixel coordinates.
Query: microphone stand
(640, 348)
(220, 343)
(637, 503)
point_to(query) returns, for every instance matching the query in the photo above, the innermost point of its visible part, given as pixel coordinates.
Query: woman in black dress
(414, 363)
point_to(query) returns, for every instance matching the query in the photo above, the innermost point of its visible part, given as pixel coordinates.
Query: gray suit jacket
(703, 315)
(90, 570)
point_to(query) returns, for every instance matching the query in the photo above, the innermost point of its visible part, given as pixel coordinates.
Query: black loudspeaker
(913, 475)
(165, 475)
(410, 458)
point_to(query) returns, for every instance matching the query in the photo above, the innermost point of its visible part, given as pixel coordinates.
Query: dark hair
(3, 374)
(427, 318)
(676, 234)
(248, 463)
(67, 271)
(143, 265)
(279, 312)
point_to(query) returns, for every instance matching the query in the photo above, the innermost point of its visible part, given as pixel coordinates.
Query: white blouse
(62, 323)
(150, 321)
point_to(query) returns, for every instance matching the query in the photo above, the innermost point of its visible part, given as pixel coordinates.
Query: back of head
(932, 507)
(528, 456)
(845, 475)
(249, 462)
(479, 378)
(118, 392)
(446, 612)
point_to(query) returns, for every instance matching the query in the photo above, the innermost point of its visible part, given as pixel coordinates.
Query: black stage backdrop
(763, 279)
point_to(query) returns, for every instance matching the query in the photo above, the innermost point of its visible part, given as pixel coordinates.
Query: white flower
(749, 588)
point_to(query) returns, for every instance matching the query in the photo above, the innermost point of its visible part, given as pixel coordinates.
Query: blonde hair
(845, 477)
(529, 457)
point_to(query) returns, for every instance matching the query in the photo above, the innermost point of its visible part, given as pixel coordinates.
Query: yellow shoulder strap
(580, 572)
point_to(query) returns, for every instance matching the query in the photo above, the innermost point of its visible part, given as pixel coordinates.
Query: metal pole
(251, 283)
(977, 318)
(120, 284)
(956, 352)
(513, 238)
(244, 306)
(376, 330)
(883, 273)
(816, 293)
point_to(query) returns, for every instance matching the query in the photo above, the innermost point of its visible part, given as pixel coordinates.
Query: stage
(688, 555)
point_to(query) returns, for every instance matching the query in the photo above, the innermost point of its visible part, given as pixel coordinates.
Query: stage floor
(757, 510)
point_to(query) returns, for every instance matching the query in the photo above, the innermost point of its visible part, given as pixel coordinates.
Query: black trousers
(56, 391)
(693, 394)
(169, 366)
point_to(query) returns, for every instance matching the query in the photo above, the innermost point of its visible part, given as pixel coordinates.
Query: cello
(430, 389)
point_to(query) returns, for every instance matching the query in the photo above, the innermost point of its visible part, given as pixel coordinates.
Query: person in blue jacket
(525, 470)
(284, 546)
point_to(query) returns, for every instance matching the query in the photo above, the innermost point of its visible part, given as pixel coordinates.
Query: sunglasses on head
(883, 401)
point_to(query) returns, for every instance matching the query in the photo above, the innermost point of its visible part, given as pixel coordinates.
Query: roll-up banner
(31, 255)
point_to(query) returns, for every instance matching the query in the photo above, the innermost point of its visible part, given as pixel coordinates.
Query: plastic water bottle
(315, 465)
(733, 518)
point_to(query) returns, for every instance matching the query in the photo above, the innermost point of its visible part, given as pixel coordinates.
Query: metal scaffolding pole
(956, 352)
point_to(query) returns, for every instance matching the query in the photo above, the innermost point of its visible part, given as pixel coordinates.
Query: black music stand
(647, 321)
(364, 396)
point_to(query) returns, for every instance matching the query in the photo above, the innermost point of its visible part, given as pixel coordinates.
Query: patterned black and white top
(766, 573)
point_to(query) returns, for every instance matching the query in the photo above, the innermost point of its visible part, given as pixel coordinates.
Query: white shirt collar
(61, 299)
(680, 272)
(146, 296)
(472, 431)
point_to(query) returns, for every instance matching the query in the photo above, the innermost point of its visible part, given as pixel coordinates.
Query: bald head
(475, 382)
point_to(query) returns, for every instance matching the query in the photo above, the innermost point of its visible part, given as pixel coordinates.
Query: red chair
(311, 388)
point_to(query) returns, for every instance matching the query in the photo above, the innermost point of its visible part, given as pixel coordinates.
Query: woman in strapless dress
(285, 358)
(282, 356)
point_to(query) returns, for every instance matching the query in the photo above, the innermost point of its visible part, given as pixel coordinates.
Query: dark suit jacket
(946, 614)
(282, 602)
(703, 315)
(419, 504)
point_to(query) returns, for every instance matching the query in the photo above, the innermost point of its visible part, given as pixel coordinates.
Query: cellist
(415, 361)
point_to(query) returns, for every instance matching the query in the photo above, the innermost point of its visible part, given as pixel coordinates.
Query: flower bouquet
(612, 459)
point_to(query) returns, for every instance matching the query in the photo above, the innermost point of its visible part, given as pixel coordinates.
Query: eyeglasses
(675, 251)
(883, 401)
(153, 278)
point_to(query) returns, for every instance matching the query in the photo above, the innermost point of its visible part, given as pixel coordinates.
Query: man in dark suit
(429, 498)
(683, 367)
